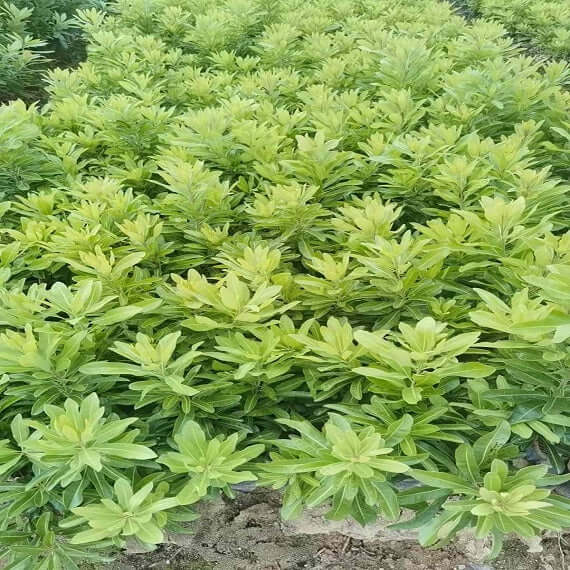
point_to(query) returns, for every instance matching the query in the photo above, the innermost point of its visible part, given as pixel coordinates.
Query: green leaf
(487, 446)
(91, 535)
(412, 395)
(526, 412)
(389, 465)
(466, 462)
(342, 503)
(467, 370)
(544, 431)
(398, 430)
(422, 517)
(326, 489)
(431, 532)
(112, 369)
(292, 502)
(19, 429)
(513, 395)
(388, 501)
(308, 431)
(544, 325)
(556, 457)
(120, 314)
(362, 513)
(418, 495)
(443, 481)
(127, 450)
(150, 533)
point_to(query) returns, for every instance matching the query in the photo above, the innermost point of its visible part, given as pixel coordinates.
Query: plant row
(321, 245)
(35, 34)
(544, 25)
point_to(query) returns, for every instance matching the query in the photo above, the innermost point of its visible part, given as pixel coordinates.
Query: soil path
(248, 534)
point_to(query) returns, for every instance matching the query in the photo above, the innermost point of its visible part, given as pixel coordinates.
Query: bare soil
(247, 534)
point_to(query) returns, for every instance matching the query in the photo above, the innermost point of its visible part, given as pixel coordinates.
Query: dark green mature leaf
(423, 517)
(526, 413)
(487, 446)
(443, 481)
(467, 463)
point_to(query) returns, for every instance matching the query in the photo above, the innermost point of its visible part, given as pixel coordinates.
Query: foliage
(545, 24)
(496, 503)
(135, 514)
(349, 467)
(33, 35)
(319, 245)
(20, 54)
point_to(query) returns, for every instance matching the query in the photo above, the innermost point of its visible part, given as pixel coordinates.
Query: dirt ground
(247, 534)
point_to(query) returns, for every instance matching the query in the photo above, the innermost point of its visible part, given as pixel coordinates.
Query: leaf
(467, 370)
(150, 533)
(19, 429)
(292, 502)
(307, 431)
(544, 431)
(384, 351)
(112, 369)
(513, 394)
(291, 466)
(120, 314)
(486, 446)
(420, 494)
(430, 533)
(526, 412)
(342, 503)
(326, 489)
(388, 501)
(543, 326)
(398, 430)
(412, 395)
(554, 480)
(388, 465)
(497, 544)
(7, 465)
(493, 302)
(127, 450)
(422, 517)
(556, 458)
(192, 492)
(443, 481)
(92, 535)
(561, 334)
(466, 462)
(362, 513)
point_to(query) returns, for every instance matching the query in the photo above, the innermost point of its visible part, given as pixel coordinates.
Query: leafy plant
(139, 514)
(546, 24)
(37, 546)
(350, 468)
(316, 246)
(32, 32)
(79, 438)
(210, 463)
(498, 505)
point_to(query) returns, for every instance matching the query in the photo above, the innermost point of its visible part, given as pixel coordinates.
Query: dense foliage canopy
(35, 34)
(320, 243)
(545, 24)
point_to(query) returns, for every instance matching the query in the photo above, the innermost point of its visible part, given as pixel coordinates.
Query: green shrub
(21, 55)
(323, 245)
(545, 24)
(35, 34)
